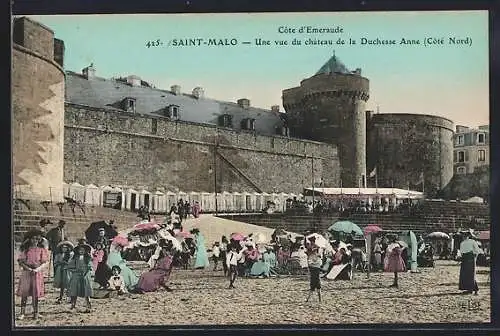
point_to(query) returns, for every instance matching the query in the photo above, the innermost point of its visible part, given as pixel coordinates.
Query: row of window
(460, 139)
(171, 111)
(460, 156)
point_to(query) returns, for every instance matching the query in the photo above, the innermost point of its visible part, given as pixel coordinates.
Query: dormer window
(248, 124)
(226, 120)
(172, 112)
(129, 105)
(282, 130)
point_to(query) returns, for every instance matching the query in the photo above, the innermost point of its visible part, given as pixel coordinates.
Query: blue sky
(450, 81)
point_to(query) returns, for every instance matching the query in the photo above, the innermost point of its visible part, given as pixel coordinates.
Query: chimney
(133, 80)
(198, 92)
(244, 103)
(89, 72)
(484, 127)
(275, 108)
(59, 52)
(176, 89)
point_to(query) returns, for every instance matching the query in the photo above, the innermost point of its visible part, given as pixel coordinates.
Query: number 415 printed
(469, 305)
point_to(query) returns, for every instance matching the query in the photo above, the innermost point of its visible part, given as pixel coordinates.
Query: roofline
(410, 114)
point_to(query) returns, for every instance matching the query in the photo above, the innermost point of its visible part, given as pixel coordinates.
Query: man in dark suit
(55, 236)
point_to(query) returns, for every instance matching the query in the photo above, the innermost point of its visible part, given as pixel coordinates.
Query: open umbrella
(121, 240)
(92, 232)
(439, 235)
(371, 228)
(146, 226)
(320, 241)
(346, 227)
(238, 236)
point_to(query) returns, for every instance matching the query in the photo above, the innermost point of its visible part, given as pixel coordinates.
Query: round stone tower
(38, 112)
(411, 150)
(330, 107)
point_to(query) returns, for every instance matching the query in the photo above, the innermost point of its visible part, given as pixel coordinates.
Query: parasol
(146, 226)
(237, 236)
(92, 232)
(121, 241)
(320, 241)
(372, 228)
(438, 235)
(346, 227)
(259, 238)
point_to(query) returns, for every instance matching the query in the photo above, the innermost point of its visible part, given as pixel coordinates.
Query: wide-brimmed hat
(33, 233)
(116, 267)
(195, 230)
(66, 243)
(87, 248)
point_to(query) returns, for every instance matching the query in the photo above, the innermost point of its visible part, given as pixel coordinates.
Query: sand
(202, 297)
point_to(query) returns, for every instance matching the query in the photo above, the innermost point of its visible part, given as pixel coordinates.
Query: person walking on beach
(469, 250)
(223, 254)
(393, 262)
(232, 263)
(32, 259)
(314, 262)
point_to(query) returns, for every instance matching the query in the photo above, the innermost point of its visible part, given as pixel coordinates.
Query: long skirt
(102, 274)
(152, 280)
(394, 263)
(315, 282)
(80, 285)
(468, 273)
(61, 277)
(31, 284)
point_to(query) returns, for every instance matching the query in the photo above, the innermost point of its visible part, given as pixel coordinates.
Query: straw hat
(87, 248)
(66, 243)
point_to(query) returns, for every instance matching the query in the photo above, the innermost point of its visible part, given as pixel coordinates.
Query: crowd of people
(346, 207)
(76, 266)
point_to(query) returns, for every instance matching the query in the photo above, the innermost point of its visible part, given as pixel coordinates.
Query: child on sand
(80, 267)
(393, 262)
(232, 258)
(215, 254)
(32, 259)
(61, 275)
(116, 282)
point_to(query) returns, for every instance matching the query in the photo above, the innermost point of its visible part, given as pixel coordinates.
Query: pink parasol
(238, 236)
(372, 228)
(146, 226)
(183, 234)
(120, 240)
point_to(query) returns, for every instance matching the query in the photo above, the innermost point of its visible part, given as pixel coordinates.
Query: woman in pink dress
(158, 276)
(393, 262)
(32, 259)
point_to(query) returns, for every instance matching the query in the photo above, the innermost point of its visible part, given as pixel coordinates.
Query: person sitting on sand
(116, 282)
(159, 275)
(115, 259)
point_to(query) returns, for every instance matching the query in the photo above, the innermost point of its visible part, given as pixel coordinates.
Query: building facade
(471, 149)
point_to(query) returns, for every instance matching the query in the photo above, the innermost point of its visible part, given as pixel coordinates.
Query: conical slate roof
(333, 65)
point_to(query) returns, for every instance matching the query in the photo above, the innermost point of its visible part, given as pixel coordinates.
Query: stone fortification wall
(402, 146)
(107, 147)
(38, 113)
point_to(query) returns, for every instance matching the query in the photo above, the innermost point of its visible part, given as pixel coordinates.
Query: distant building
(471, 149)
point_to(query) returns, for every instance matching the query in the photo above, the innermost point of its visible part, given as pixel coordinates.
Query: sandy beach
(202, 297)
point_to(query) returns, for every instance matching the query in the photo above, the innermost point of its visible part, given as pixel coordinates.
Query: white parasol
(440, 235)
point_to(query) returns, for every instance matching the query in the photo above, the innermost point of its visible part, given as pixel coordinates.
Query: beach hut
(207, 202)
(259, 201)
(65, 189)
(110, 197)
(238, 201)
(267, 198)
(221, 204)
(120, 194)
(159, 202)
(194, 197)
(228, 204)
(249, 204)
(145, 198)
(92, 195)
(181, 195)
(77, 191)
(171, 199)
(131, 199)
(283, 197)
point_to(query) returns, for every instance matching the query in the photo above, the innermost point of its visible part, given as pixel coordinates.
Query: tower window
(460, 140)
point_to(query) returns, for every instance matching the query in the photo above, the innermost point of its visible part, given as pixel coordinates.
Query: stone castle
(78, 127)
